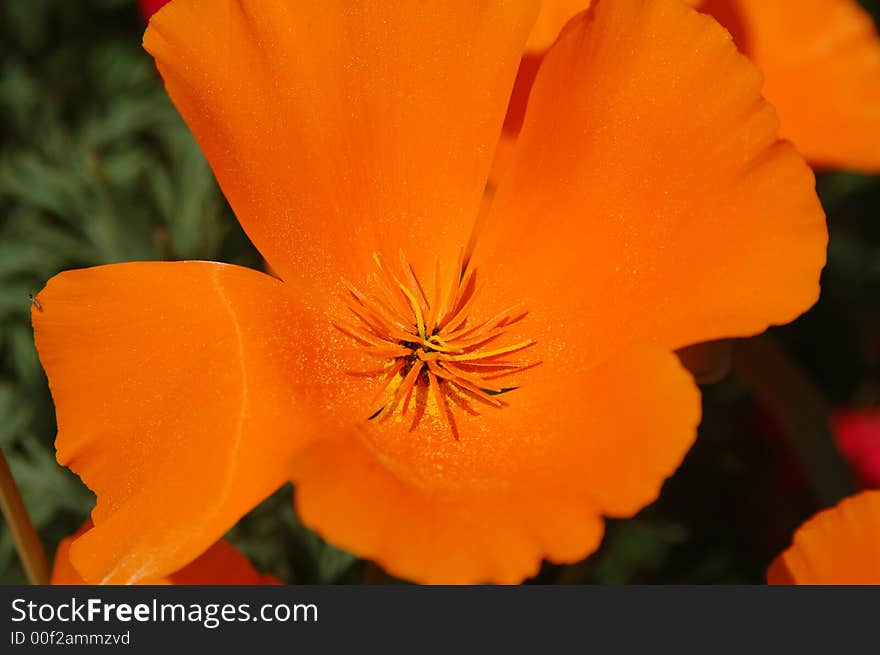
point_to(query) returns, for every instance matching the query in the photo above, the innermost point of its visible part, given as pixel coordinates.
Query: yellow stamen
(492, 353)
(420, 321)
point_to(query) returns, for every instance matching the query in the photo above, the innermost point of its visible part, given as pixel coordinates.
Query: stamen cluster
(431, 343)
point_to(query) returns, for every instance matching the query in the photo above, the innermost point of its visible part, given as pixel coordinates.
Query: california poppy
(840, 545)
(453, 398)
(821, 66)
(221, 564)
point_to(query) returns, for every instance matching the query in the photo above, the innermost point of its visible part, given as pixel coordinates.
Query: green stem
(27, 542)
(784, 389)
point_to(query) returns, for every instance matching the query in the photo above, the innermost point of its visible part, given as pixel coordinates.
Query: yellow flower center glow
(431, 343)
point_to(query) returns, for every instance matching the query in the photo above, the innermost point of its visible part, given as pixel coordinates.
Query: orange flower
(840, 545)
(454, 402)
(221, 564)
(821, 65)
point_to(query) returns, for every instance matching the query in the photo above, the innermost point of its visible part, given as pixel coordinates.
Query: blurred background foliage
(97, 167)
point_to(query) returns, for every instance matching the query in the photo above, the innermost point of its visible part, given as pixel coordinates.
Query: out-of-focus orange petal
(821, 64)
(527, 481)
(336, 128)
(648, 198)
(553, 16)
(181, 390)
(840, 545)
(221, 564)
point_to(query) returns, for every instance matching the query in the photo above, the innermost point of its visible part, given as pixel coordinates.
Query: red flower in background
(857, 433)
(150, 7)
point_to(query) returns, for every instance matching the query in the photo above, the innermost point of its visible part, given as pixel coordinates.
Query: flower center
(429, 348)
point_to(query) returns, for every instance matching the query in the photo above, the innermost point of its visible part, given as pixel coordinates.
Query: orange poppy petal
(338, 129)
(840, 545)
(649, 198)
(551, 19)
(519, 483)
(221, 564)
(180, 394)
(821, 63)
